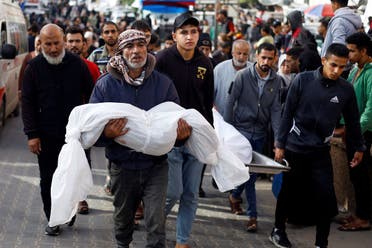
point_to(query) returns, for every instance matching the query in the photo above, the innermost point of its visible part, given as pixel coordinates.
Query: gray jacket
(246, 110)
(344, 23)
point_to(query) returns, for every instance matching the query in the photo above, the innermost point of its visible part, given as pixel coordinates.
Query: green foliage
(247, 3)
(126, 2)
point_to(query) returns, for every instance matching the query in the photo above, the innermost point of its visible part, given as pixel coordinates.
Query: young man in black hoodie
(315, 102)
(192, 74)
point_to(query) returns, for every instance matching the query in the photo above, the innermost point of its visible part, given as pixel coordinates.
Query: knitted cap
(129, 36)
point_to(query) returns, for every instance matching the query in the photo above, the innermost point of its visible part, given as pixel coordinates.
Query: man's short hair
(295, 52)
(343, 3)
(169, 37)
(140, 25)
(266, 46)
(223, 12)
(266, 28)
(324, 21)
(34, 28)
(110, 23)
(361, 40)
(75, 30)
(338, 50)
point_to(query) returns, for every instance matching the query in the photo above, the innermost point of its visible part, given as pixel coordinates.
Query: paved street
(23, 222)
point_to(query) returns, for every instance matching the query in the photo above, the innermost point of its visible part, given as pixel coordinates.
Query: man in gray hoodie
(344, 23)
(253, 102)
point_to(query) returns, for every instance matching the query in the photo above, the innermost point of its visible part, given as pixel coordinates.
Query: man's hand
(115, 128)
(340, 132)
(183, 130)
(34, 145)
(279, 154)
(358, 156)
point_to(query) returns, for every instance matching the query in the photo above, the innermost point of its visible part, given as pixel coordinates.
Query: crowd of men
(286, 95)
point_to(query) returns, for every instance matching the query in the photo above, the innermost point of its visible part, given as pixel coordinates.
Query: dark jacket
(313, 107)
(300, 35)
(156, 89)
(193, 79)
(50, 92)
(249, 112)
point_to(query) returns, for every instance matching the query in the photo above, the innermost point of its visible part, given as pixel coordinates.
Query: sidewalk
(23, 222)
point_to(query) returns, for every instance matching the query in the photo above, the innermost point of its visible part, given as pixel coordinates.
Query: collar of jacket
(323, 80)
(197, 53)
(252, 70)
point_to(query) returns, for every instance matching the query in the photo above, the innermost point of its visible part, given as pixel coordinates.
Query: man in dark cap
(192, 74)
(205, 46)
(135, 176)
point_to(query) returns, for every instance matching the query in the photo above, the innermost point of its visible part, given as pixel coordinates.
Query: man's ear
(174, 36)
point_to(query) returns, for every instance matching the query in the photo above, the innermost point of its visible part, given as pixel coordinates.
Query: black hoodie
(193, 79)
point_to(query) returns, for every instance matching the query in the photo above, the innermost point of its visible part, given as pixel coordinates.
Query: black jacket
(193, 79)
(50, 92)
(313, 107)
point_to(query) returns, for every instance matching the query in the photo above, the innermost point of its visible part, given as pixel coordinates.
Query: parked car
(13, 50)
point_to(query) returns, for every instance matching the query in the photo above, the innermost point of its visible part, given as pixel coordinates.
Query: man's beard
(136, 65)
(76, 51)
(238, 63)
(54, 60)
(264, 68)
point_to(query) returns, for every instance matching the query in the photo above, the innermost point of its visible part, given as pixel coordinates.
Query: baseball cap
(183, 19)
(204, 40)
(276, 23)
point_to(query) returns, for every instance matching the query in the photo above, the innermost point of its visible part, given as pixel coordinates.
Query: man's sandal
(83, 207)
(354, 227)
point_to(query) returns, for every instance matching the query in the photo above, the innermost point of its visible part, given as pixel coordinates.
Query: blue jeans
(250, 186)
(183, 184)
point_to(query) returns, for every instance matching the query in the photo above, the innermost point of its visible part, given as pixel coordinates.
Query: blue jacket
(156, 89)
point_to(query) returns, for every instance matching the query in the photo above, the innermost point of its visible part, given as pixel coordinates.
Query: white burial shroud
(151, 132)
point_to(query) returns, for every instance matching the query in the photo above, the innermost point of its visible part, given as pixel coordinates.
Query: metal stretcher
(263, 164)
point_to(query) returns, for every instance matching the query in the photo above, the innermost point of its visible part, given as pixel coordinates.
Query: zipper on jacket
(136, 95)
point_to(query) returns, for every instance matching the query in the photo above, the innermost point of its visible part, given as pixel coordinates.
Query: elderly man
(54, 83)
(225, 72)
(135, 176)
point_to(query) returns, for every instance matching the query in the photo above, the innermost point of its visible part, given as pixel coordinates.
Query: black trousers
(359, 177)
(48, 161)
(309, 182)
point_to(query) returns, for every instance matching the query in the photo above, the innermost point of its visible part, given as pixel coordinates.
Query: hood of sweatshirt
(295, 19)
(350, 16)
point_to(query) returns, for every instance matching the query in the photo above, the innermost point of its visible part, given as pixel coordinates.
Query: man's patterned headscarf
(118, 62)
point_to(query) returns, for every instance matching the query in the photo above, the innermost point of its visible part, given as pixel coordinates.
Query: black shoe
(201, 193)
(72, 221)
(52, 231)
(279, 239)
